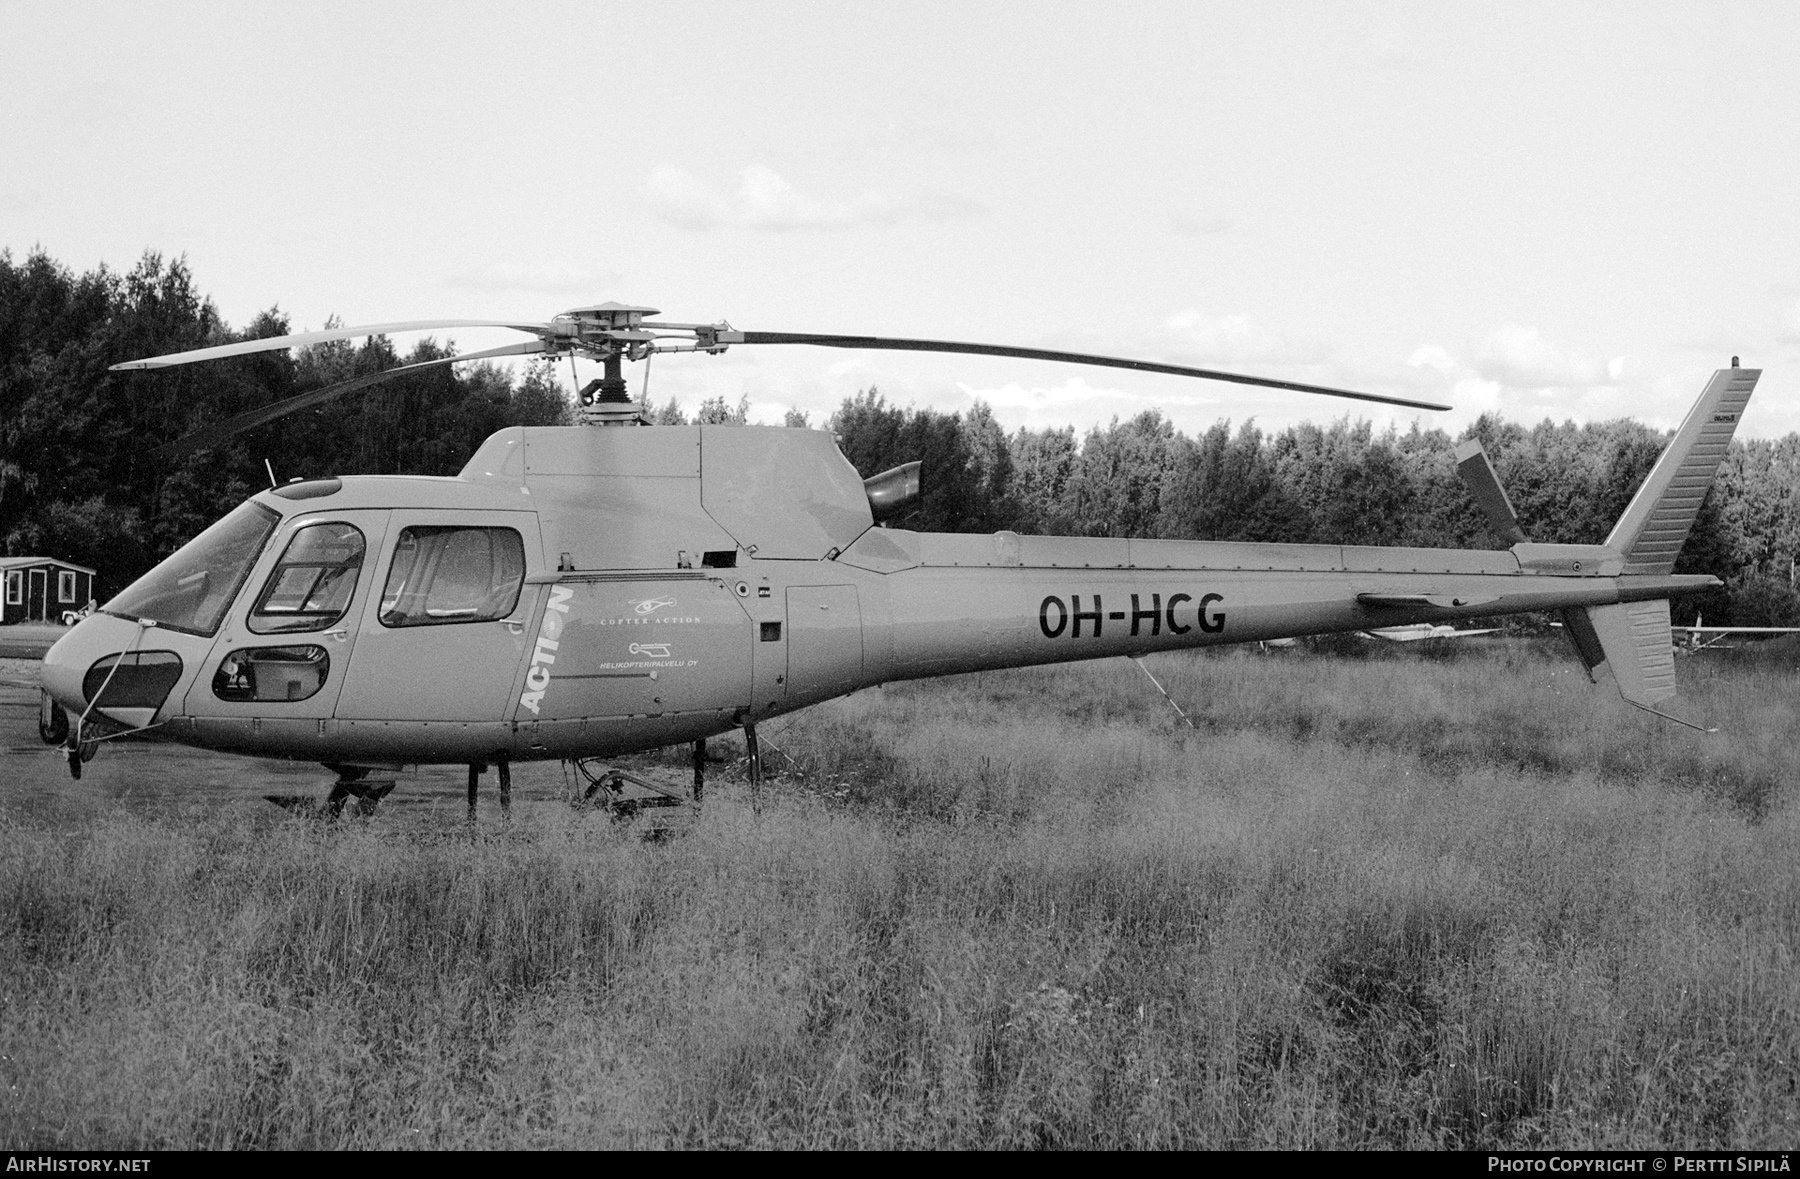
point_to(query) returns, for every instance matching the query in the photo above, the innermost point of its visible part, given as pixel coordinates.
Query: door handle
(342, 634)
(516, 625)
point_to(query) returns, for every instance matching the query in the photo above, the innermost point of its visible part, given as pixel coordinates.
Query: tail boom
(936, 620)
(940, 603)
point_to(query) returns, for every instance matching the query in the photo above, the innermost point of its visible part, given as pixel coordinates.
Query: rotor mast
(611, 333)
(605, 401)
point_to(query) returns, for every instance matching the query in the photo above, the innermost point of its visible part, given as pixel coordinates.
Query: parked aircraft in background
(1715, 638)
(1424, 630)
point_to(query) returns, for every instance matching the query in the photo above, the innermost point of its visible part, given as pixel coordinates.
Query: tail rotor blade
(219, 432)
(1478, 473)
(884, 343)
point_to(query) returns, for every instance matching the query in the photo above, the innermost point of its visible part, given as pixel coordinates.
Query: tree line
(78, 481)
(1339, 483)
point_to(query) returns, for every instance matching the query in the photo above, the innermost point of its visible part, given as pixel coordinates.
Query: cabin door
(35, 610)
(442, 637)
(284, 651)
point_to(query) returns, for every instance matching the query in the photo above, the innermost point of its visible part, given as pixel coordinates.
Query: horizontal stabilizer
(1447, 601)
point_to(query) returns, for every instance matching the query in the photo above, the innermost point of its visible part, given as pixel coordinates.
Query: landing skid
(606, 789)
(353, 783)
(367, 792)
(368, 796)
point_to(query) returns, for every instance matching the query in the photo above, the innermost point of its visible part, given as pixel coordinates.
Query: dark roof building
(42, 589)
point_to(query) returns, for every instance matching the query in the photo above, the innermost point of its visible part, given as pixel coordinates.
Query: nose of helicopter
(92, 639)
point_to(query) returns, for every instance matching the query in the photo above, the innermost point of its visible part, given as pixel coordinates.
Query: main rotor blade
(301, 339)
(220, 431)
(1149, 366)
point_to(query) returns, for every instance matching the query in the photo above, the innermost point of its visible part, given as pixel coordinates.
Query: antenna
(269, 467)
(1139, 660)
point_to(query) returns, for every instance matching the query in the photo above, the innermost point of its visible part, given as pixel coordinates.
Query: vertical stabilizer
(1632, 640)
(1637, 647)
(1653, 529)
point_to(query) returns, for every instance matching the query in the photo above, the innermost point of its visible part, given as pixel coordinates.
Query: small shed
(41, 589)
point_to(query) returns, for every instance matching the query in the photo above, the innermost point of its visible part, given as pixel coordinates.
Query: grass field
(1461, 901)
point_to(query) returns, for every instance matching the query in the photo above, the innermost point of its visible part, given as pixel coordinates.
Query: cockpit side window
(193, 588)
(448, 574)
(313, 583)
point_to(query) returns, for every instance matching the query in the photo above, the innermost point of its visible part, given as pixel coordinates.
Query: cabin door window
(449, 575)
(311, 588)
(444, 638)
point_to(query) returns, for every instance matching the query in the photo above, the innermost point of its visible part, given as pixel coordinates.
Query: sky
(1540, 210)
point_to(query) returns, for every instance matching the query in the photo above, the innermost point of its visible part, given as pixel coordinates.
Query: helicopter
(585, 592)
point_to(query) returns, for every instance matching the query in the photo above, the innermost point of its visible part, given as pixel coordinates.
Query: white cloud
(1473, 396)
(1202, 338)
(20, 201)
(549, 278)
(1522, 376)
(763, 200)
(1191, 223)
(1788, 322)
(1077, 403)
(770, 412)
(1522, 358)
(1074, 391)
(912, 128)
(849, 366)
(1433, 356)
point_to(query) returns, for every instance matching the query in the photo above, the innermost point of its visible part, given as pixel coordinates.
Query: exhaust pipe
(892, 491)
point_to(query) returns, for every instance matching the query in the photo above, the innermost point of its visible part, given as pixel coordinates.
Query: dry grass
(1463, 902)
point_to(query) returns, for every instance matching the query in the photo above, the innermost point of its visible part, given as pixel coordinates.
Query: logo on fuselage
(651, 605)
(650, 650)
(537, 679)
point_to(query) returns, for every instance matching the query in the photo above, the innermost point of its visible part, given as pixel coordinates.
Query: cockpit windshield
(193, 588)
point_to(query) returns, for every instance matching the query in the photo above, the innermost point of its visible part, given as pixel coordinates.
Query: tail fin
(1632, 640)
(1653, 529)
